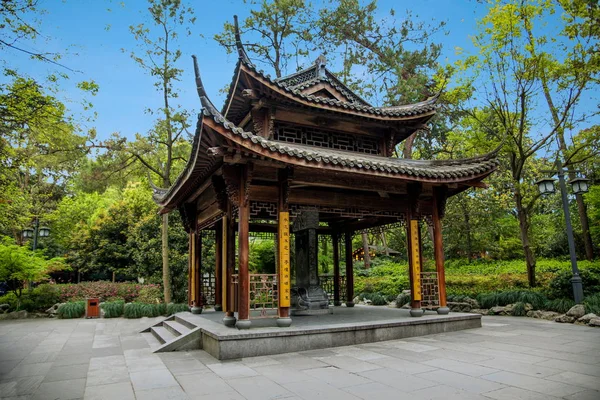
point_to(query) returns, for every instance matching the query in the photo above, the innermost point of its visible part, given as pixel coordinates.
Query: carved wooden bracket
(441, 193)
(231, 176)
(414, 191)
(221, 192)
(188, 216)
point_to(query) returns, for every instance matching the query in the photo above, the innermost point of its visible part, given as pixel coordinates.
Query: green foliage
(378, 300)
(519, 309)
(103, 290)
(561, 286)
(489, 300)
(402, 299)
(559, 305)
(69, 310)
(19, 265)
(113, 309)
(150, 294)
(173, 308)
(262, 256)
(592, 304)
(139, 310)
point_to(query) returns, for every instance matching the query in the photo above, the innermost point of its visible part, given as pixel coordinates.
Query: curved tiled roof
(450, 170)
(408, 110)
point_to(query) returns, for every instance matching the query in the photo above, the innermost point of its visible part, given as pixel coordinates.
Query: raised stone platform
(344, 327)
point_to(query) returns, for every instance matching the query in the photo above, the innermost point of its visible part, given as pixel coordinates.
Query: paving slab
(509, 358)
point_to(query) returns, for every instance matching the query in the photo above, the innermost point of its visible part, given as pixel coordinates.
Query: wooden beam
(348, 181)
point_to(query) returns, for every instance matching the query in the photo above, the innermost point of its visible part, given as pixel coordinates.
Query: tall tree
(276, 33)
(163, 150)
(567, 69)
(396, 58)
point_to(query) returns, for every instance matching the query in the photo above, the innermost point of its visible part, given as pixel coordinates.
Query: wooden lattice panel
(263, 294)
(430, 292)
(326, 139)
(326, 282)
(208, 289)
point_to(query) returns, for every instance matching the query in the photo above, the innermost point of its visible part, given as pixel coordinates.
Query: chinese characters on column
(284, 259)
(416, 259)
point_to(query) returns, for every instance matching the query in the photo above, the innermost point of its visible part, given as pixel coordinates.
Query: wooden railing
(208, 289)
(264, 295)
(327, 280)
(430, 297)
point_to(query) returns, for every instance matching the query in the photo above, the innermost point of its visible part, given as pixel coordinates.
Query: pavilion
(302, 156)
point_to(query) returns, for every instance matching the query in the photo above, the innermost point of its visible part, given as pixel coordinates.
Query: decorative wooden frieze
(263, 209)
(231, 177)
(324, 138)
(221, 191)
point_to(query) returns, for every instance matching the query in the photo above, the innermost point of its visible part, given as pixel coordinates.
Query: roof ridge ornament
(321, 63)
(207, 105)
(242, 55)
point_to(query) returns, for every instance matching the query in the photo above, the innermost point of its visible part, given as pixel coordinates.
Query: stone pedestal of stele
(308, 297)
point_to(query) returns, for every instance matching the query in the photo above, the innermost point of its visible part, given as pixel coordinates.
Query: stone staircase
(173, 334)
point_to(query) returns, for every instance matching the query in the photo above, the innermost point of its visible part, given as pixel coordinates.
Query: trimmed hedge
(75, 309)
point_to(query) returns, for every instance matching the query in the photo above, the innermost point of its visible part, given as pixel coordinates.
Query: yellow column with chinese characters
(284, 259)
(415, 249)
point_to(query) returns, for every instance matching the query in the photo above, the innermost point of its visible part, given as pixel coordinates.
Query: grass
(519, 309)
(489, 300)
(592, 304)
(75, 309)
(113, 309)
(559, 305)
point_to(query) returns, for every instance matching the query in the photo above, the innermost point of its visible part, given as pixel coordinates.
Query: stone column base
(243, 324)
(443, 310)
(416, 312)
(284, 322)
(229, 321)
(349, 304)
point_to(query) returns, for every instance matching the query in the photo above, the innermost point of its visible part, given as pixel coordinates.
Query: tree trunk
(384, 243)
(367, 256)
(467, 220)
(524, 230)
(408, 145)
(585, 228)
(165, 258)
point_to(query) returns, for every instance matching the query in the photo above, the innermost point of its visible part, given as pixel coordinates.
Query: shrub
(402, 299)
(103, 290)
(378, 300)
(592, 304)
(519, 309)
(75, 309)
(113, 309)
(150, 294)
(174, 308)
(45, 296)
(489, 300)
(139, 310)
(561, 287)
(559, 305)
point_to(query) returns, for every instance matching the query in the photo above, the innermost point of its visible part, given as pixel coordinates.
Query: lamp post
(36, 232)
(579, 185)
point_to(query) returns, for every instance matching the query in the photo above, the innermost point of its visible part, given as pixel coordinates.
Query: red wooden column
(227, 251)
(190, 268)
(335, 239)
(438, 249)
(198, 271)
(244, 245)
(413, 240)
(349, 270)
(284, 270)
(218, 266)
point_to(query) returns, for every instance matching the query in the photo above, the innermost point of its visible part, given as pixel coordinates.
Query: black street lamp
(579, 185)
(36, 232)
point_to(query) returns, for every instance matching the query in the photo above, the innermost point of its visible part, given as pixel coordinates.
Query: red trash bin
(92, 308)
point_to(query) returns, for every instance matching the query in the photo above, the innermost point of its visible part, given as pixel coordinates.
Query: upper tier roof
(200, 163)
(294, 88)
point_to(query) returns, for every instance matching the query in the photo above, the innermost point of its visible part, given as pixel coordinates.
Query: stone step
(176, 328)
(162, 334)
(180, 317)
(152, 341)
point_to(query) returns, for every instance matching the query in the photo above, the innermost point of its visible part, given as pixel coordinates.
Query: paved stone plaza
(508, 358)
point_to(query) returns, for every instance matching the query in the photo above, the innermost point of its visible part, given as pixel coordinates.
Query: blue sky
(126, 91)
